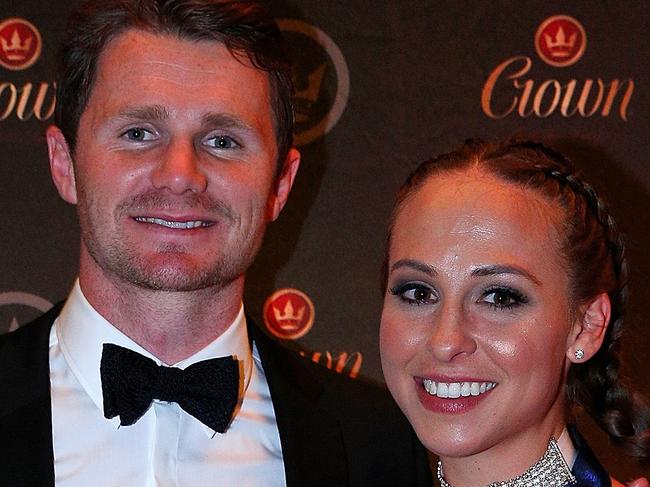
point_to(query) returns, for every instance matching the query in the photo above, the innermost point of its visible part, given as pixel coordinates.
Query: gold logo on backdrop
(560, 41)
(345, 363)
(289, 314)
(16, 50)
(287, 317)
(20, 44)
(27, 101)
(321, 77)
(20, 48)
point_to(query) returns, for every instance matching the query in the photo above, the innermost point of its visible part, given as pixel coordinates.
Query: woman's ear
(589, 329)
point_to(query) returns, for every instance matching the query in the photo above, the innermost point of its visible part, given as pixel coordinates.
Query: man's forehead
(159, 61)
(149, 47)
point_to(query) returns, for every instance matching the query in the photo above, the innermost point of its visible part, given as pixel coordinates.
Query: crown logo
(16, 49)
(560, 41)
(288, 319)
(288, 314)
(306, 98)
(561, 45)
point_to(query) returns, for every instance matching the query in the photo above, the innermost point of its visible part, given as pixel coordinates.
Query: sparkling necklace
(550, 471)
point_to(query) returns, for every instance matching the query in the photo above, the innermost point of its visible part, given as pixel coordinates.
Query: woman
(505, 287)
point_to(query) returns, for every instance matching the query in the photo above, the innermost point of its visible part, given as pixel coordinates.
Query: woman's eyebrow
(414, 264)
(491, 270)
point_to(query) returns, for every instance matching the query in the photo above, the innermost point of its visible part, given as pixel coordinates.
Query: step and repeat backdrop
(382, 85)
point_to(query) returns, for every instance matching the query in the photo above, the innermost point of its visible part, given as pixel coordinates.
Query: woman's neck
(567, 448)
(504, 462)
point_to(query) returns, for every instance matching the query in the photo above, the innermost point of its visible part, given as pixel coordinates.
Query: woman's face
(476, 320)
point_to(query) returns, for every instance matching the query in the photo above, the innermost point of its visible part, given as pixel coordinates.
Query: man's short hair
(245, 27)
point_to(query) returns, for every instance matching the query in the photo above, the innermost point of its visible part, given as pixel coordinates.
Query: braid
(597, 385)
(595, 253)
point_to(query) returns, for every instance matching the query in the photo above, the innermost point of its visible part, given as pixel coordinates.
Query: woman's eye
(504, 298)
(415, 294)
(222, 142)
(138, 134)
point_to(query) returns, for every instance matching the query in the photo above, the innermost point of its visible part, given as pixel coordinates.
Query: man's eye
(138, 134)
(504, 298)
(222, 142)
(415, 294)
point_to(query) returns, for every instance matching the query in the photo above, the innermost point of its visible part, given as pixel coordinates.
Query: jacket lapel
(25, 410)
(312, 446)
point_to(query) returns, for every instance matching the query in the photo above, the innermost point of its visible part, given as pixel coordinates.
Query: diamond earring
(579, 354)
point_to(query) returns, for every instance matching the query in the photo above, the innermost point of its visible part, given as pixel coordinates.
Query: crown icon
(307, 97)
(16, 49)
(287, 319)
(560, 46)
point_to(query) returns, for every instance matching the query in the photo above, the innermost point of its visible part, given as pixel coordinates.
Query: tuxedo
(334, 431)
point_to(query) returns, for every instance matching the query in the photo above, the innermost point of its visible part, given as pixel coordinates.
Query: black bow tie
(207, 390)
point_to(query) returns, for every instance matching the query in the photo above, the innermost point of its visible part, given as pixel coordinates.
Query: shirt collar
(81, 332)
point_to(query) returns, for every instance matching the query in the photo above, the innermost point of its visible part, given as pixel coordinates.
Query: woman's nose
(450, 336)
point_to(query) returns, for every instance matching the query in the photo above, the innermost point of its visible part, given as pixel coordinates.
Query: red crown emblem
(560, 40)
(20, 44)
(288, 314)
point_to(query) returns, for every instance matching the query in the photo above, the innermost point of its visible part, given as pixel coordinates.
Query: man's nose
(179, 170)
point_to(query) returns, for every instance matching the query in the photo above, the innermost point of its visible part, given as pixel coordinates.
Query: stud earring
(579, 354)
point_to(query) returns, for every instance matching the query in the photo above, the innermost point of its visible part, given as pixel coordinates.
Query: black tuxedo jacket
(334, 431)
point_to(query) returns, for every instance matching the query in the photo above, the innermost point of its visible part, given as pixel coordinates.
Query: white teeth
(456, 389)
(430, 386)
(173, 224)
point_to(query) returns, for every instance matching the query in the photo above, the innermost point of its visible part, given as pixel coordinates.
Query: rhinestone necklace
(550, 471)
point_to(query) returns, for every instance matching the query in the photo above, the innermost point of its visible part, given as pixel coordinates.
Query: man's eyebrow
(491, 270)
(416, 265)
(223, 120)
(148, 112)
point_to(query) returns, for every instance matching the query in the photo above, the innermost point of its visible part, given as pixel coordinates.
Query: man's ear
(283, 184)
(61, 167)
(589, 329)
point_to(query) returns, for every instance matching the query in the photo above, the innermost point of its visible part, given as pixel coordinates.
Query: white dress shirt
(166, 447)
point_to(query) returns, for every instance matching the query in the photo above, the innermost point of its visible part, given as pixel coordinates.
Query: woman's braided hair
(594, 253)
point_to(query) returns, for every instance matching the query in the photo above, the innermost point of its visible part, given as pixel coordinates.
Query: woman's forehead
(476, 188)
(480, 213)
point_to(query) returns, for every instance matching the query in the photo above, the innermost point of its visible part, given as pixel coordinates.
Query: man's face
(174, 169)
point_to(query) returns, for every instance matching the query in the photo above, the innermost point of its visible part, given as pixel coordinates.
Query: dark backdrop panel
(382, 85)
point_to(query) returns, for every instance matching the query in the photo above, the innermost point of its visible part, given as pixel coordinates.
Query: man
(174, 141)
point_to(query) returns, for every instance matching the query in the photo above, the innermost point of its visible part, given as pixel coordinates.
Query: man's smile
(182, 225)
